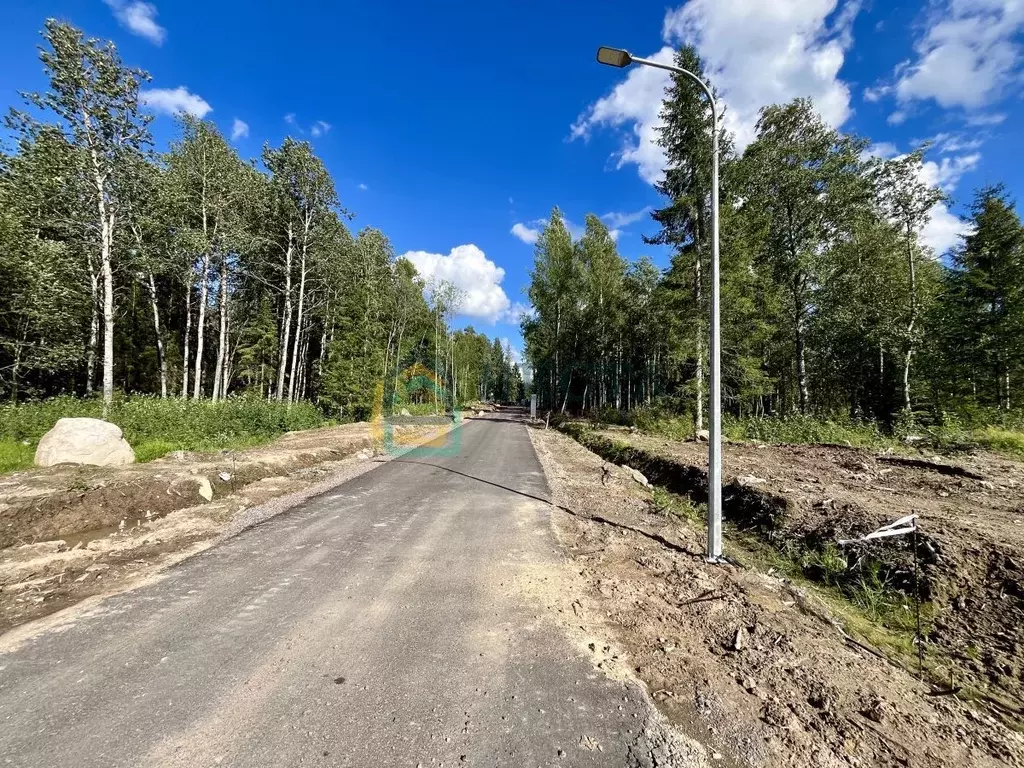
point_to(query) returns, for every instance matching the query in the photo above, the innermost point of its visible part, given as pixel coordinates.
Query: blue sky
(455, 127)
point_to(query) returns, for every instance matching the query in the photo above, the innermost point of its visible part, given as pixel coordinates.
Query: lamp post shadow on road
(616, 57)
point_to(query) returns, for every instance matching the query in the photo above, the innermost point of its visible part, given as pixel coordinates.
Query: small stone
(749, 684)
(747, 480)
(702, 436)
(637, 475)
(739, 640)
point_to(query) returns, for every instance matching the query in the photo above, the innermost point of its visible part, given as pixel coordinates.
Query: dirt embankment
(754, 661)
(70, 532)
(802, 499)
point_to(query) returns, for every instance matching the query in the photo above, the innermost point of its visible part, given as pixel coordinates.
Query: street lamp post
(615, 57)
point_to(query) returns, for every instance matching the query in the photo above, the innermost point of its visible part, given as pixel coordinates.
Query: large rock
(84, 441)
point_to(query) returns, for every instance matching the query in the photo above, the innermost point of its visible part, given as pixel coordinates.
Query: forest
(198, 274)
(832, 307)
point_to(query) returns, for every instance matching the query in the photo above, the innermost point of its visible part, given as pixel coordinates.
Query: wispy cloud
(239, 130)
(139, 18)
(176, 101)
(364, 187)
(617, 219)
(319, 128)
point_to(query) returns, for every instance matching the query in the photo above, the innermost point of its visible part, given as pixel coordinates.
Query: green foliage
(155, 426)
(807, 429)
(224, 275)
(15, 455)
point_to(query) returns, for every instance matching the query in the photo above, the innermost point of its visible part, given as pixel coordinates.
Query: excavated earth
(71, 532)
(764, 665)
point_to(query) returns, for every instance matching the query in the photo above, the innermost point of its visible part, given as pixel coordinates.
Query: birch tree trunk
(107, 270)
(222, 342)
(283, 365)
(161, 357)
(299, 318)
(188, 334)
(912, 321)
(204, 292)
(94, 329)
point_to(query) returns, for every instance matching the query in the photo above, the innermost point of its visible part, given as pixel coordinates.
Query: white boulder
(84, 441)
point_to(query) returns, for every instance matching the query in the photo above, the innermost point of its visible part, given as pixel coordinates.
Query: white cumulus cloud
(239, 130)
(943, 230)
(755, 53)
(472, 273)
(525, 232)
(139, 18)
(176, 101)
(968, 54)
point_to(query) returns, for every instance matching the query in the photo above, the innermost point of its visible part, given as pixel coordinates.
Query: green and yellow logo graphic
(416, 406)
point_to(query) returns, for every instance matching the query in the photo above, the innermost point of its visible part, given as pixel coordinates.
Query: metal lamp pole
(615, 57)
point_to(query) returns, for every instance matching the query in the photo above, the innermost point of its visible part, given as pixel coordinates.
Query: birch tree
(907, 200)
(95, 100)
(803, 184)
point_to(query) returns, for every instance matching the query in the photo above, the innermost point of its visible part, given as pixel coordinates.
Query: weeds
(669, 503)
(155, 426)
(866, 604)
(808, 429)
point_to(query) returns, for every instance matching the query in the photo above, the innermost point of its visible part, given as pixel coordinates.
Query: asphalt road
(380, 624)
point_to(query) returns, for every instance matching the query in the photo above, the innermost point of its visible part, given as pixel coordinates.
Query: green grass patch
(155, 426)
(866, 606)
(672, 504)
(14, 455)
(809, 429)
(1000, 440)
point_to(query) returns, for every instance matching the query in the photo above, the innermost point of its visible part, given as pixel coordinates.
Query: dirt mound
(802, 499)
(755, 662)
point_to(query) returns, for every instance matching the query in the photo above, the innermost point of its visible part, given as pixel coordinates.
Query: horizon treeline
(195, 273)
(831, 303)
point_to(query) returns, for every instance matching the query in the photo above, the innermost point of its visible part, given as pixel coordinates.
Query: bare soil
(757, 664)
(70, 532)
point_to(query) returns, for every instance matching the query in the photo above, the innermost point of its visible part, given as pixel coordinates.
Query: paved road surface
(376, 625)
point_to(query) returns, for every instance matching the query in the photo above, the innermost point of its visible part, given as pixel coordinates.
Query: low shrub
(155, 426)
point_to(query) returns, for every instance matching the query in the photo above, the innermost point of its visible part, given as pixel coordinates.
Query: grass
(155, 426)
(808, 429)
(1000, 440)
(15, 455)
(866, 606)
(669, 503)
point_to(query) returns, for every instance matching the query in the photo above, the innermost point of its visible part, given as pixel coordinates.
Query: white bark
(188, 335)
(219, 387)
(282, 367)
(94, 329)
(161, 357)
(204, 293)
(292, 391)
